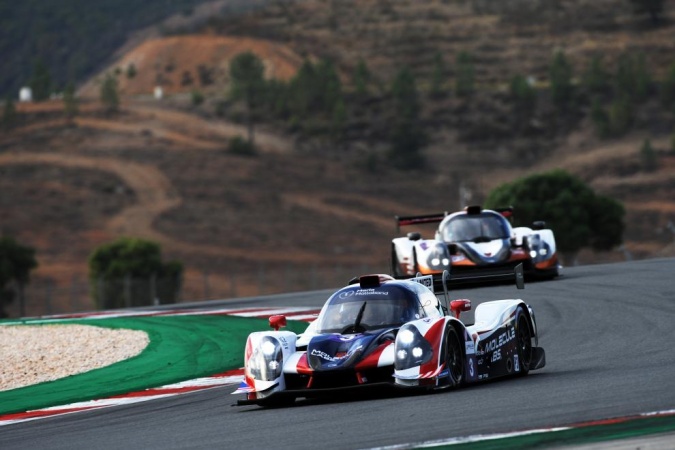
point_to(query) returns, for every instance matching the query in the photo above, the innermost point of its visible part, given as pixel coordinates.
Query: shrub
(240, 146)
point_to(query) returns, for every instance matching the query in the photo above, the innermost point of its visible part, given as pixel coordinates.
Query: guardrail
(46, 297)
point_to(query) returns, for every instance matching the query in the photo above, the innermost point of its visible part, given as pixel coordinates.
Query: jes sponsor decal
(502, 339)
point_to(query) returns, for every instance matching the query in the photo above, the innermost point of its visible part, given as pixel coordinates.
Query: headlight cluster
(412, 349)
(266, 362)
(537, 247)
(439, 257)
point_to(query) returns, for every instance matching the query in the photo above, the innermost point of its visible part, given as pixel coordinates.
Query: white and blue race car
(475, 245)
(383, 331)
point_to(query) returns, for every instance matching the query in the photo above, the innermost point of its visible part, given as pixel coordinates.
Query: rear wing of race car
(506, 211)
(403, 221)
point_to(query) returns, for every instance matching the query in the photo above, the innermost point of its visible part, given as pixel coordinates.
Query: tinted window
(472, 228)
(385, 306)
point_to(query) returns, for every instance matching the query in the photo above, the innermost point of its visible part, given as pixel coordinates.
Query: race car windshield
(482, 228)
(386, 307)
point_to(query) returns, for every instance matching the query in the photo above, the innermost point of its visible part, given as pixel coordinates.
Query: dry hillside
(295, 219)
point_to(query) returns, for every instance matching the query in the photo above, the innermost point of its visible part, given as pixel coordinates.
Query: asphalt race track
(609, 336)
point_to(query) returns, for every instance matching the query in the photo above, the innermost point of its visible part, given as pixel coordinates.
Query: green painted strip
(632, 428)
(181, 348)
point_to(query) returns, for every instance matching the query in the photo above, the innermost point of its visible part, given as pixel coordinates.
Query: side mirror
(520, 277)
(538, 225)
(277, 321)
(445, 280)
(414, 236)
(460, 305)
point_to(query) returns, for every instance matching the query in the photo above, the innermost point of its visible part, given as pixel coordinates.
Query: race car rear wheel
(454, 357)
(524, 336)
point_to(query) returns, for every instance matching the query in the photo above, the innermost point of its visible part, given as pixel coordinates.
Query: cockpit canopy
(389, 305)
(482, 227)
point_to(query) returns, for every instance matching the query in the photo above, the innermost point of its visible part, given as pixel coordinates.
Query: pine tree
(524, 98)
(648, 157)
(596, 78)
(8, 114)
(668, 87)
(40, 82)
(247, 73)
(621, 115)
(438, 77)
(600, 119)
(464, 83)
(654, 8)
(362, 79)
(70, 104)
(109, 95)
(560, 72)
(632, 77)
(406, 136)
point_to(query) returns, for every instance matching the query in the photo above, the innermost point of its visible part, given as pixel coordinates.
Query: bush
(600, 119)
(578, 217)
(621, 115)
(648, 157)
(129, 272)
(197, 97)
(240, 146)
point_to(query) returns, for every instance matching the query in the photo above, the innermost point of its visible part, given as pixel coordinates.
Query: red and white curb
(223, 379)
(293, 313)
(227, 378)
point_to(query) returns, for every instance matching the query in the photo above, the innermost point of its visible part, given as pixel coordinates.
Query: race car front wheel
(454, 357)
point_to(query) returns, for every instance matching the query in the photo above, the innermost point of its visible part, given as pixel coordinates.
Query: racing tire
(524, 342)
(454, 358)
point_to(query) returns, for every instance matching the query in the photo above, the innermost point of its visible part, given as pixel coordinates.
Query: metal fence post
(233, 285)
(207, 290)
(261, 279)
(314, 278)
(73, 293)
(127, 290)
(48, 297)
(153, 290)
(100, 292)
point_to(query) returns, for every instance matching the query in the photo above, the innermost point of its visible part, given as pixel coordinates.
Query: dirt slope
(186, 63)
(160, 169)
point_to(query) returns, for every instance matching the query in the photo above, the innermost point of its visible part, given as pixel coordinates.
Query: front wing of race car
(275, 369)
(536, 250)
(264, 359)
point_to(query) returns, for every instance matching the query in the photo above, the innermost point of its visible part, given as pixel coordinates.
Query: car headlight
(266, 361)
(405, 336)
(412, 349)
(268, 347)
(438, 257)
